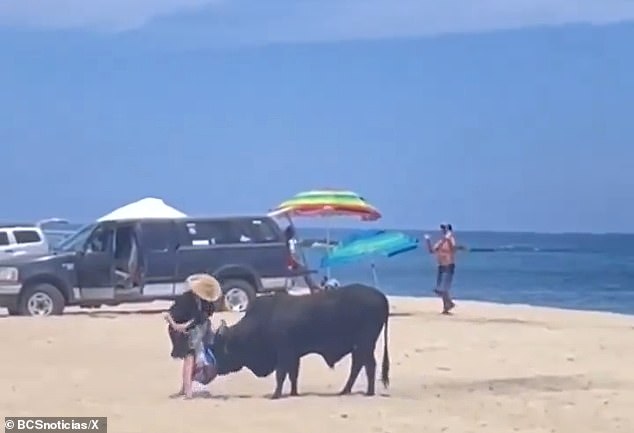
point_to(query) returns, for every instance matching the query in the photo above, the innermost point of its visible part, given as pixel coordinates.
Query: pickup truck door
(95, 266)
(158, 244)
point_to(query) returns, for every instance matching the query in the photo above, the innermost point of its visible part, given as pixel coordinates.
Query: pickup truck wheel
(41, 300)
(238, 295)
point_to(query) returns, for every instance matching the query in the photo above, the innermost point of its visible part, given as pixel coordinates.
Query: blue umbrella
(369, 244)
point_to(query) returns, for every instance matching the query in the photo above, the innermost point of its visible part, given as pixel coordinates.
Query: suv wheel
(41, 300)
(238, 295)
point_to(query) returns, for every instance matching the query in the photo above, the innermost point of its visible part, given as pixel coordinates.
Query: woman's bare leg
(181, 392)
(188, 372)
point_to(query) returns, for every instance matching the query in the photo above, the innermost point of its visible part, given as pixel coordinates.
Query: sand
(489, 368)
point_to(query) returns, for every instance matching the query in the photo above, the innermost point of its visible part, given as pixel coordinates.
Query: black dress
(186, 307)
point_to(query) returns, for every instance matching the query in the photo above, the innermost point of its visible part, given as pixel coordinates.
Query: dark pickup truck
(110, 263)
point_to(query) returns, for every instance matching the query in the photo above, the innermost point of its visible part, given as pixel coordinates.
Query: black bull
(276, 331)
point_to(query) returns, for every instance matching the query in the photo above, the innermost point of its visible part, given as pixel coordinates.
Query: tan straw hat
(205, 287)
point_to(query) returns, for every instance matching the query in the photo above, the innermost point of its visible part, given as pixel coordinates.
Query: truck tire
(41, 300)
(238, 295)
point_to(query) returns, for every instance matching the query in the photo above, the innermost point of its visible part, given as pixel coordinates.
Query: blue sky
(512, 116)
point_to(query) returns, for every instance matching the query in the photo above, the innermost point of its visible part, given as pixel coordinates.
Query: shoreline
(517, 306)
(424, 304)
(300, 290)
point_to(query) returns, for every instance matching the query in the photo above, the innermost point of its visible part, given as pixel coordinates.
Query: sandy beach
(489, 368)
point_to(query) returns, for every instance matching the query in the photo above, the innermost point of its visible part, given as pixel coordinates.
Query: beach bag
(204, 359)
(204, 367)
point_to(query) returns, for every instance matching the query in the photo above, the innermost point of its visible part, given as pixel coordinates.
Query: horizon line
(469, 230)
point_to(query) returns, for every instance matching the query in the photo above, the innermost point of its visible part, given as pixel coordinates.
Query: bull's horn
(222, 327)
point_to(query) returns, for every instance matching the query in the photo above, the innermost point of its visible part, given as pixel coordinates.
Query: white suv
(21, 240)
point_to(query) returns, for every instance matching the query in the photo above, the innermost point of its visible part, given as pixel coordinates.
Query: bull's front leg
(284, 366)
(280, 376)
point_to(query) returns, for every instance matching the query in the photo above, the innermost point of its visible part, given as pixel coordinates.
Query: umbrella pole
(300, 248)
(375, 276)
(328, 248)
(297, 248)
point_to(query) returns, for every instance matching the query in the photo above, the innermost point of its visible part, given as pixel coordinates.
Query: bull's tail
(385, 366)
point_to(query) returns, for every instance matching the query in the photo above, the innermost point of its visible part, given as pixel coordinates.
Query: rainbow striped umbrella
(327, 203)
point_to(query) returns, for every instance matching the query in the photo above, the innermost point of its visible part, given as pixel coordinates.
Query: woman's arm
(430, 247)
(178, 306)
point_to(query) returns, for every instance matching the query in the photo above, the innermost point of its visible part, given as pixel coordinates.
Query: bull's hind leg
(355, 368)
(370, 371)
(293, 374)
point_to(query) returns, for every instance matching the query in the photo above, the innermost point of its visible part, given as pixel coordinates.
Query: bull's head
(226, 348)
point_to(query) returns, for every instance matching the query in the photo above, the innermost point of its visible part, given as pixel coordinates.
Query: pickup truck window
(157, 236)
(203, 233)
(257, 231)
(77, 241)
(4, 238)
(101, 240)
(26, 236)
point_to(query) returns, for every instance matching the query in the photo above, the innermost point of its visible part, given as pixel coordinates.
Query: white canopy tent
(146, 208)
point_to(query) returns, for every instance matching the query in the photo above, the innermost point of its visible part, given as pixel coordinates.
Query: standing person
(189, 319)
(289, 235)
(445, 251)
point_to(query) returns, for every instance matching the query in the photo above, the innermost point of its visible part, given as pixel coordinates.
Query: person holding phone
(445, 251)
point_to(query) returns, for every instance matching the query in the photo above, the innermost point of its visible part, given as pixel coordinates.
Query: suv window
(4, 238)
(211, 233)
(27, 236)
(257, 231)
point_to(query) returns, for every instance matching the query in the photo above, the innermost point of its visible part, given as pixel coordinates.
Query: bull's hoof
(369, 393)
(345, 392)
(276, 396)
(294, 394)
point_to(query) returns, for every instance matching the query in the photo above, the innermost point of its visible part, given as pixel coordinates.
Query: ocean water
(574, 271)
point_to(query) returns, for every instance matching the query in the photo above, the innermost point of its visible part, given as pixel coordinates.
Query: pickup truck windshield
(76, 241)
